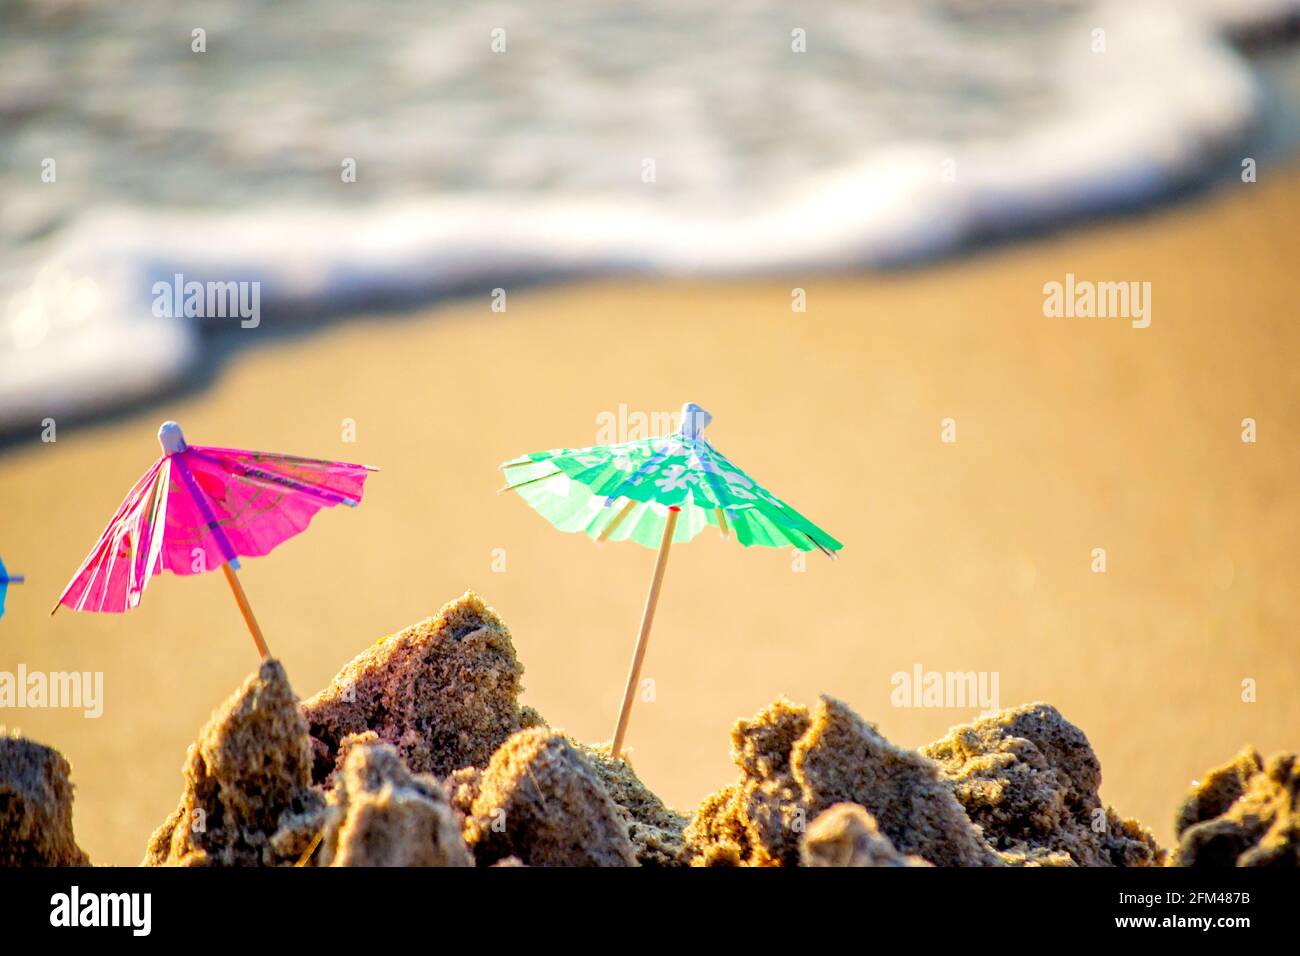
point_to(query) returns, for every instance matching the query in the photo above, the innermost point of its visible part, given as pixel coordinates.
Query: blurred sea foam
(907, 129)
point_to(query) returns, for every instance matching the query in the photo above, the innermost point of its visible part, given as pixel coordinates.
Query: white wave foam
(1149, 113)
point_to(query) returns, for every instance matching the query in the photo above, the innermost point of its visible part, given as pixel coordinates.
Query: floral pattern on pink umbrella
(199, 508)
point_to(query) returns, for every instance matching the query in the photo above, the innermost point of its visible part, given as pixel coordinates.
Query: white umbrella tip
(694, 420)
(171, 438)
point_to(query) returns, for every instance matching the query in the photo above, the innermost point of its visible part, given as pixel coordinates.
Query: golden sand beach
(975, 555)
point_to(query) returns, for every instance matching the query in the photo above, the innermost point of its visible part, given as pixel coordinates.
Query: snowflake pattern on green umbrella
(632, 485)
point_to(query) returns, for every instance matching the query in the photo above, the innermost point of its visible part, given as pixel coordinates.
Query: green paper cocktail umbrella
(656, 491)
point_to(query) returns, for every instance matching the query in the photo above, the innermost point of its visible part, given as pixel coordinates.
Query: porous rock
(35, 805)
(1244, 813)
(444, 692)
(1029, 779)
(380, 814)
(654, 828)
(248, 799)
(846, 835)
(540, 800)
(794, 764)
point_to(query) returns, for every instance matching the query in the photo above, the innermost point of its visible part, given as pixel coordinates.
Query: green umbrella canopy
(657, 491)
(624, 492)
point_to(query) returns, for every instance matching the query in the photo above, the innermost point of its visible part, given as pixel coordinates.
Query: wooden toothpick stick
(647, 618)
(614, 522)
(306, 854)
(242, 600)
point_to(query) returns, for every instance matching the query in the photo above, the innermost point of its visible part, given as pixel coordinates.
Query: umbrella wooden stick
(647, 618)
(241, 599)
(614, 522)
(306, 854)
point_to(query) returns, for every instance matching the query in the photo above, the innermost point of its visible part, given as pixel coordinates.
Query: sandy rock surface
(444, 692)
(380, 814)
(1028, 778)
(1244, 813)
(247, 798)
(35, 806)
(847, 835)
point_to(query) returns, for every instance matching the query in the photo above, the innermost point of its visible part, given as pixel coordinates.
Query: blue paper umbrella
(6, 579)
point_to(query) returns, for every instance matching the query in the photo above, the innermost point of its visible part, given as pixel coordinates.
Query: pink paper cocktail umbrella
(200, 508)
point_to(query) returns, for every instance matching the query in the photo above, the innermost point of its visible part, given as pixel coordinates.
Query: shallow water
(580, 95)
(663, 138)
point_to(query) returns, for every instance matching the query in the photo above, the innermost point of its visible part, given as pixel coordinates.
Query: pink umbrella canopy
(199, 508)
